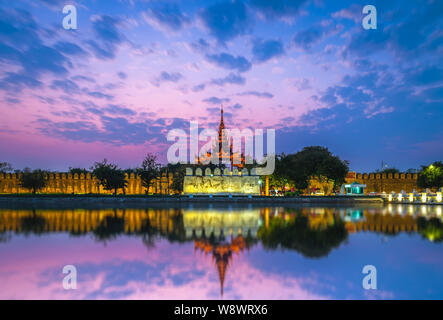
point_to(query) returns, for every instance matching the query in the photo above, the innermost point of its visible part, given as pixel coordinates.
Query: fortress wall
(387, 182)
(66, 183)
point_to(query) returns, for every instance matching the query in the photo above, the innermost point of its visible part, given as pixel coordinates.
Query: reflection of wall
(83, 184)
(85, 220)
(221, 185)
(389, 219)
(217, 221)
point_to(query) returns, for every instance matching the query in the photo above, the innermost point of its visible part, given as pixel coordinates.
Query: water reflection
(221, 234)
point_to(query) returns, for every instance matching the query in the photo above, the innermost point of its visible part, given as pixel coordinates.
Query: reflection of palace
(211, 230)
(313, 232)
(222, 253)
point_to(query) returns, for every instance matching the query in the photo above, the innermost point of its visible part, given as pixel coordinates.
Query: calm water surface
(223, 252)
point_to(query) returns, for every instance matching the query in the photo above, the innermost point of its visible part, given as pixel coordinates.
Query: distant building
(354, 189)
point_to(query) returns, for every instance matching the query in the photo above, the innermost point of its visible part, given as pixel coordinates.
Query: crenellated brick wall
(83, 184)
(379, 182)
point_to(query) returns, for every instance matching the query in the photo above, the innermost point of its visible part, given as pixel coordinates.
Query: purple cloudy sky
(133, 70)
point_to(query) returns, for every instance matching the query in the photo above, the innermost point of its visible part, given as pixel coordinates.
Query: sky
(134, 70)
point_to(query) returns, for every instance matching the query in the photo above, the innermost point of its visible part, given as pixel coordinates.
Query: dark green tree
(311, 162)
(431, 228)
(431, 176)
(149, 170)
(34, 180)
(178, 176)
(77, 170)
(110, 176)
(295, 234)
(5, 167)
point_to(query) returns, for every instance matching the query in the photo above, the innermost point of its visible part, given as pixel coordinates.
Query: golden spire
(222, 255)
(222, 124)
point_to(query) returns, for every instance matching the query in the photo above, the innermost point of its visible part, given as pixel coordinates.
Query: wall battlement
(379, 182)
(66, 183)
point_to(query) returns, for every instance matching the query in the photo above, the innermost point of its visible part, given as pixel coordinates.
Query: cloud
(236, 106)
(167, 77)
(99, 95)
(215, 100)
(278, 8)
(265, 95)
(122, 75)
(199, 87)
(264, 50)
(107, 35)
(231, 78)
(226, 20)
(69, 48)
(401, 37)
(167, 17)
(201, 45)
(305, 39)
(68, 86)
(16, 82)
(227, 61)
(83, 78)
(119, 110)
(354, 13)
(302, 84)
(425, 75)
(111, 130)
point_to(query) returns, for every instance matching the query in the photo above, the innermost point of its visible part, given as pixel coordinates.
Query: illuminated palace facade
(221, 151)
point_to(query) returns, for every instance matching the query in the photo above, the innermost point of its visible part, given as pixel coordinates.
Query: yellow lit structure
(411, 197)
(390, 198)
(424, 197)
(400, 197)
(439, 197)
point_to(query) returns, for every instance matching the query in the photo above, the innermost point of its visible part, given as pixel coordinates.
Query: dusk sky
(133, 70)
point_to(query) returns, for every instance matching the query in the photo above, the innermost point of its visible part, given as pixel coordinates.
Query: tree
(109, 176)
(149, 170)
(178, 176)
(5, 167)
(309, 163)
(77, 170)
(295, 233)
(33, 180)
(431, 176)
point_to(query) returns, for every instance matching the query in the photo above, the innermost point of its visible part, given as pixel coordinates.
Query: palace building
(222, 151)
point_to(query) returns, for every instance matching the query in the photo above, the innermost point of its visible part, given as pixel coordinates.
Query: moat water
(222, 252)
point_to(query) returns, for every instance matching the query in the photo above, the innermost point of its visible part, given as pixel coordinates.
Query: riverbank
(100, 201)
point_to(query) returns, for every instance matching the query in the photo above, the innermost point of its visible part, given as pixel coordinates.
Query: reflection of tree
(431, 229)
(4, 237)
(109, 228)
(33, 224)
(295, 234)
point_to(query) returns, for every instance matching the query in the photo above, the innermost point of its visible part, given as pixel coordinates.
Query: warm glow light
(423, 197)
(411, 197)
(400, 197)
(390, 198)
(439, 197)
